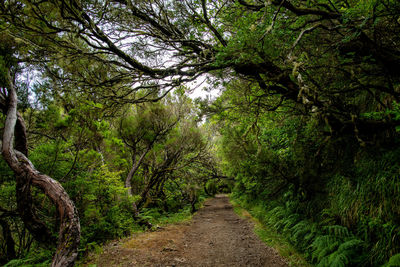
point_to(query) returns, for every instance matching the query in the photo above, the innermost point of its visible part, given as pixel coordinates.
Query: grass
(174, 218)
(273, 239)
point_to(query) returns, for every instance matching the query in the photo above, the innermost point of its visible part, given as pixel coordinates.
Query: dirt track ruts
(216, 236)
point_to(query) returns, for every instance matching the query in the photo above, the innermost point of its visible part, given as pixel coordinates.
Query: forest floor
(216, 236)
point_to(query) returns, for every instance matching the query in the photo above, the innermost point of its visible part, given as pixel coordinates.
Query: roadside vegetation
(271, 237)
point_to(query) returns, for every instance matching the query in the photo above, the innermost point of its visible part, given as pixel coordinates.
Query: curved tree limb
(69, 234)
(36, 227)
(299, 11)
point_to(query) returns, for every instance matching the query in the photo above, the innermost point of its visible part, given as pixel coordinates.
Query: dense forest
(100, 137)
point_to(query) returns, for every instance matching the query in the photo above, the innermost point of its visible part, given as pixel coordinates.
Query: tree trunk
(135, 167)
(69, 234)
(146, 190)
(8, 239)
(36, 227)
(206, 190)
(193, 200)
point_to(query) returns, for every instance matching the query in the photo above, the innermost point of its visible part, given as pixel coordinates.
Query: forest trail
(216, 236)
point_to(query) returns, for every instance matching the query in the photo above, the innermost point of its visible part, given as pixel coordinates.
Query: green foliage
(332, 245)
(91, 158)
(393, 261)
(395, 112)
(35, 258)
(269, 235)
(104, 205)
(332, 199)
(337, 248)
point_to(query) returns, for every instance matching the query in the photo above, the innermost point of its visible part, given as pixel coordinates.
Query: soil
(216, 236)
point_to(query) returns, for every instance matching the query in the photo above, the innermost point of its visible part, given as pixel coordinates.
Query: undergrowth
(36, 258)
(324, 246)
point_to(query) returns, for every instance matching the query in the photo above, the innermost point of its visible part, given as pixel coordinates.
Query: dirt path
(215, 237)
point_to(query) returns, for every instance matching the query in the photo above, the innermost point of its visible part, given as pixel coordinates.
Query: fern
(324, 262)
(350, 245)
(16, 263)
(290, 221)
(393, 261)
(338, 231)
(27, 263)
(337, 259)
(338, 248)
(276, 214)
(299, 231)
(303, 234)
(34, 258)
(323, 246)
(276, 217)
(311, 236)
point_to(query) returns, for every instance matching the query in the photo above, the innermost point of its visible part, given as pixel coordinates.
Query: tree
(164, 141)
(149, 125)
(27, 175)
(217, 40)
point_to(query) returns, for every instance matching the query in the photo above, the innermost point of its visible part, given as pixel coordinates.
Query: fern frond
(323, 246)
(302, 234)
(350, 245)
(338, 259)
(290, 221)
(393, 261)
(338, 231)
